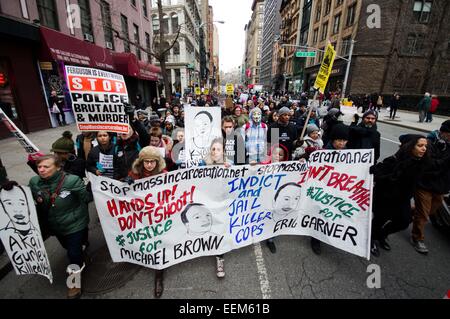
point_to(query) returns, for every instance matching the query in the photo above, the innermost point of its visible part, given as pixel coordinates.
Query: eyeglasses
(149, 161)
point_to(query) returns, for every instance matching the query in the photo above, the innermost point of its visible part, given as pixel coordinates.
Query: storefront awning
(61, 47)
(128, 64)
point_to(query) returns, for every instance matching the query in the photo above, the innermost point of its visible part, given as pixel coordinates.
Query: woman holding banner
(395, 182)
(64, 201)
(104, 160)
(149, 163)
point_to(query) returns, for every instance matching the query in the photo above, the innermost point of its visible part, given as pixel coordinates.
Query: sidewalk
(408, 119)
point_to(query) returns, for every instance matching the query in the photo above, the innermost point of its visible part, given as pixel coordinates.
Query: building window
(144, 8)
(107, 27)
(339, 2)
(324, 31)
(327, 7)
(415, 43)
(48, 14)
(320, 56)
(422, 11)
(86, 20)
(137, 41)
(24, 9)
(125, 34)
(316, 36)
(304, 37)
(345, 49)
(318, 10)
(174, 21)
(155, 24)
(148, 47)
(337, 24)
(351, 13)
(165, 24)
(133, 3)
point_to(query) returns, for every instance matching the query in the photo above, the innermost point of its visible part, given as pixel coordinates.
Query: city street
(253, 272)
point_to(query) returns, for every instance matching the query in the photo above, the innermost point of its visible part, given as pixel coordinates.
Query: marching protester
(149, 163)
(333, 117)
(234, 142)
(395, 104)
(424, 107)
(433, 108)
(239, 118)
(433, 184)
(63, 201)
(365, 135)
(56, 107)
(255, 136)
(310, 143)
(127, 147)
(287, 133)
(84, 143)
(395, 181)
(103, 159)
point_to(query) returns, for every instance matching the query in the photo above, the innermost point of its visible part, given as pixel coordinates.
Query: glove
(7, 186)
(129, 109)
(129, 180)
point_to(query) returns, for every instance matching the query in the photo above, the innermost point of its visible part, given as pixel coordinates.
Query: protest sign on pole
(325, 69)
(202, 211)
(202, 126)
(198, 91)
(98, 99)
(230, 89)
(29, 147)
(20, 233)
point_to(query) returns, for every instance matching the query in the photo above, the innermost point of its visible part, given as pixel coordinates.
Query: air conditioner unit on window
(88, 37)
(109, 45)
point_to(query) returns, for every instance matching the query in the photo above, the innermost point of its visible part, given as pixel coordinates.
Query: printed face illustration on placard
(15, 204)
(286, 200)
(197, 219)
(203, 124)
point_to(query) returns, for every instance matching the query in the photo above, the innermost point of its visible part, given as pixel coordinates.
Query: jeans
(73, 243)
(427, 204)
(422, 115)
(393, 112)
(60, 117)
(429, 117)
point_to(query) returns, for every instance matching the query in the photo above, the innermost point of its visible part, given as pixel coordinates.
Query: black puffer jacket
(362, 137)
(98, 155)
(436, 177)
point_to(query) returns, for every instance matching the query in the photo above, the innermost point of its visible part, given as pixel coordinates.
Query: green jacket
(69, 214)
(424, 104)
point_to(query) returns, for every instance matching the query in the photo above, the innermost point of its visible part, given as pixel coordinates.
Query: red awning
(61, 47)
(148, 71)
(128, 64)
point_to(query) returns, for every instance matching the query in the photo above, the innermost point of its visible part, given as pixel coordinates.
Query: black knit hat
(406, 138)
(445, 127)
(340, 132)
(64, 144)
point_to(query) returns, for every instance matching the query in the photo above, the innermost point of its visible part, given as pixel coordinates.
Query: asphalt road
(253, 272)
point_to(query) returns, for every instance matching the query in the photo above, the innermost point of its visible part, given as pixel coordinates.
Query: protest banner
(229, 89)
(325, 69)
(170, 218)
(29, 147)
(20, 233)
(202, 126)
(98, 99)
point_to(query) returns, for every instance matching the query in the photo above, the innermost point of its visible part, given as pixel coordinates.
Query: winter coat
(308, 145)
(362, 137)
(287, 135)
(240, 120)
(79, 145)
(434, 105)
(74, 165)
(128, 150)
(99, 156)
(424, 104)
(436, 178)
(269, 159)
(69, 212)
(255, 136)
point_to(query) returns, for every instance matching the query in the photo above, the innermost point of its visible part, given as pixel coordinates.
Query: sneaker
(419, 246)
(315, 246)
(220, 272)
(271, 245)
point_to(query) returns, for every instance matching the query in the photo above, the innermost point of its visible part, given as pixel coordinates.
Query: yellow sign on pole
(198, 91)
(206, 91)
(230, 89)
(325, 69)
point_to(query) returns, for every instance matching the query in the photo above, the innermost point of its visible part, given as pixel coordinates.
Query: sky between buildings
(236, 14)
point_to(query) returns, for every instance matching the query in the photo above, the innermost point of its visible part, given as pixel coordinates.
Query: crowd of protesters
(257, 129)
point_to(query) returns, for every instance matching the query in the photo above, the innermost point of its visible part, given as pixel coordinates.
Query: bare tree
(161, 51)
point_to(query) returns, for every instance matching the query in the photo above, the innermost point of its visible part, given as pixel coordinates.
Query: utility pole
(347, 72)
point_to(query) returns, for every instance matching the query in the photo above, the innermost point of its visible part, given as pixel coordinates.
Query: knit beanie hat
(170, 119)
(370, 112)
(64, 144)
(284, 110)
(311, 128)
(445, 127)
(340, 132)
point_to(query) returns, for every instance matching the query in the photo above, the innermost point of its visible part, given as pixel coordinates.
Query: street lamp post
(349, 60)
